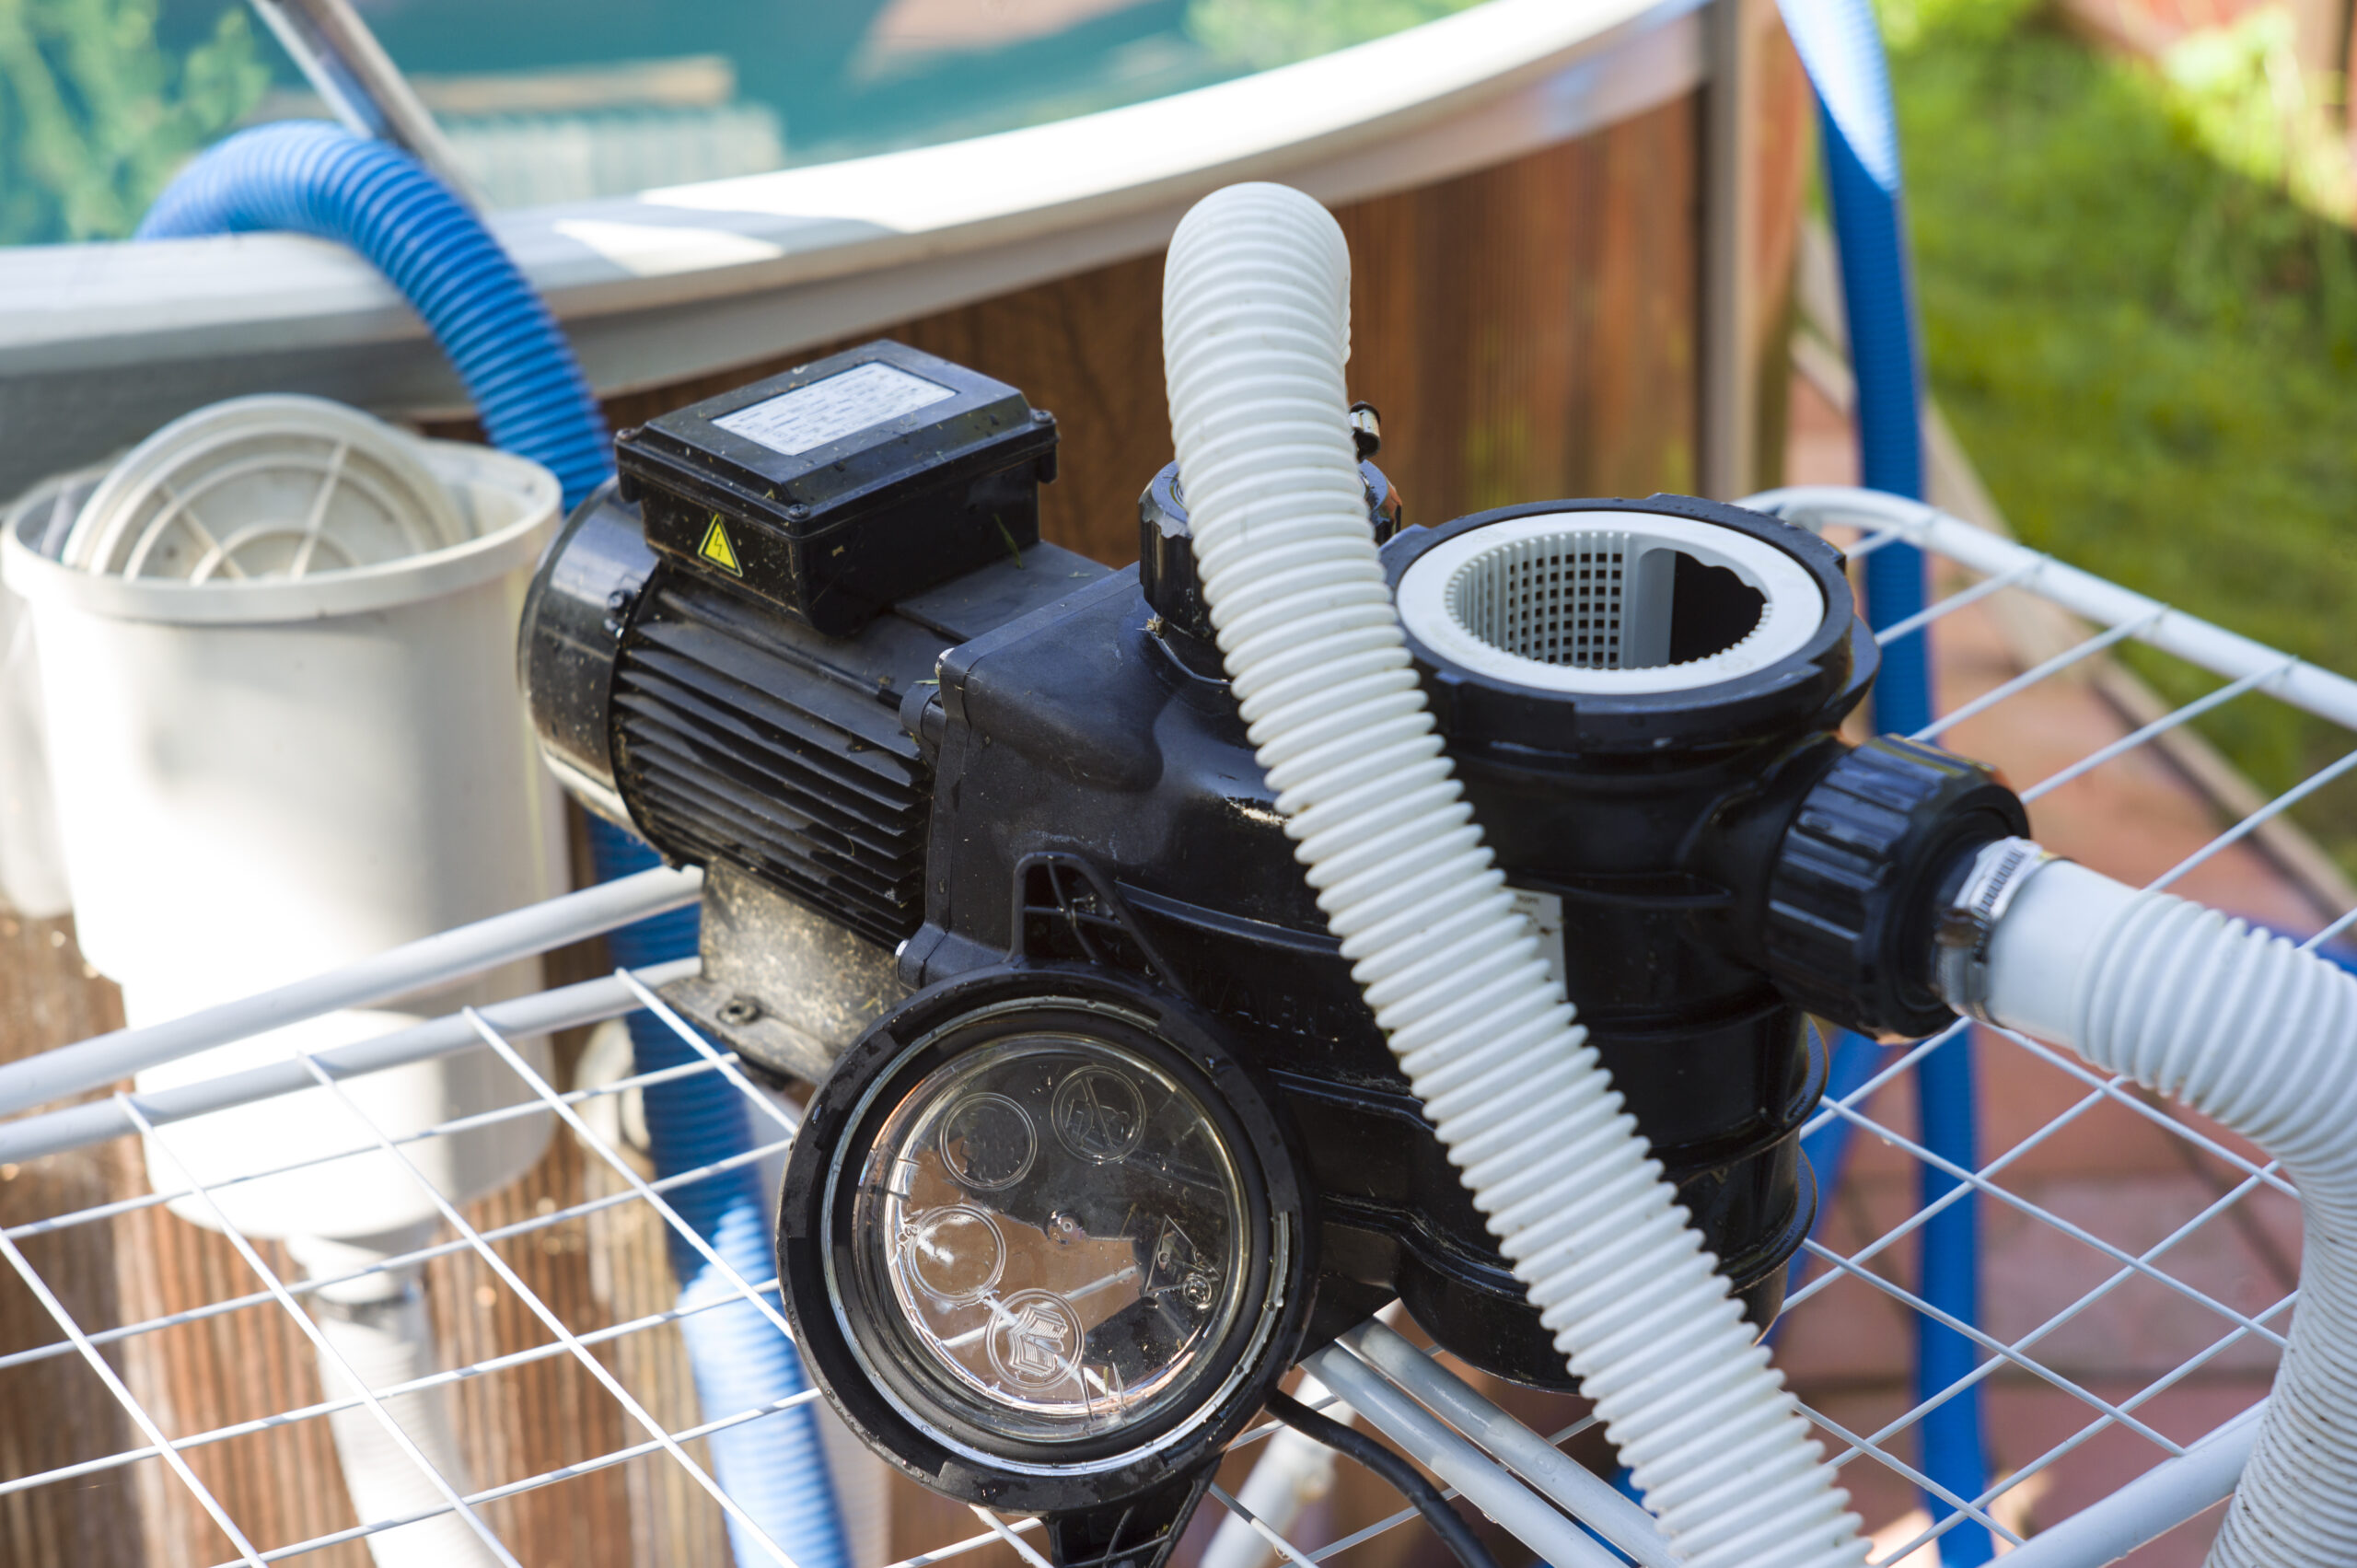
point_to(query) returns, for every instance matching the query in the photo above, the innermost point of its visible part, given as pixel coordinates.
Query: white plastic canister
(259, 776)
(33, 865)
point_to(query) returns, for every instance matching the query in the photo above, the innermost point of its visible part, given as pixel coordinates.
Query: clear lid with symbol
(1050, 1228)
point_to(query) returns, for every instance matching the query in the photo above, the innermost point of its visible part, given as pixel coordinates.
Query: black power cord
(1454, 1532)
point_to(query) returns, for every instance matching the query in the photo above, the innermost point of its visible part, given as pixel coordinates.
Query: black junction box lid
(844, 485)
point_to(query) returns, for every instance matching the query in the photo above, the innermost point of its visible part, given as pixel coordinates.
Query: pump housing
(990, 862)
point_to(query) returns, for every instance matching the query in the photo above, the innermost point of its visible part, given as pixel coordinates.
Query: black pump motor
(1105, 1136)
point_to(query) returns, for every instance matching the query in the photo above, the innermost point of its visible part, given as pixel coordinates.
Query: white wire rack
(2138, 1261)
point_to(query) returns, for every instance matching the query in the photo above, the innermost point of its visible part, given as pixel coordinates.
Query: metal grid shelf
(2126, 1262)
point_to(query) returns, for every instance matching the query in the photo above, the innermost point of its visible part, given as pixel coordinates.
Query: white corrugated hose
(376, 1320)
(2246, 1029)
(1256, 328)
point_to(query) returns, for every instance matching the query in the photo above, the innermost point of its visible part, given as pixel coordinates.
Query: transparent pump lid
(1050, 1231)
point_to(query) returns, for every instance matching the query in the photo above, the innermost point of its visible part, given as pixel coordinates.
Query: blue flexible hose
(307, 177)
(776, 1468)
(1841, 46)
(321, 181)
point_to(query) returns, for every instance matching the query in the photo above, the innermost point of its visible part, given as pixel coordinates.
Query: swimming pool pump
(1105, 1136)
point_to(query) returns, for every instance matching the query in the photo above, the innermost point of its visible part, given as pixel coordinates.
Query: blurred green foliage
(102, 100)
(1261, 33)
(95, 114)
(2243, 90)
(2151, 355)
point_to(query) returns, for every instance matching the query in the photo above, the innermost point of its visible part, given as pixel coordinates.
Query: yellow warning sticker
(717, 549)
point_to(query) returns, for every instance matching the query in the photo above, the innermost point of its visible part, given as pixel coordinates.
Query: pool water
(802, 81)
(843, 76)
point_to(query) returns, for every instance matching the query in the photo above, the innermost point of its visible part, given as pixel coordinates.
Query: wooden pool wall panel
(1527, 330)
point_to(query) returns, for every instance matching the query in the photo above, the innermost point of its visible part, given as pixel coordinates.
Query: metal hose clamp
(1969, 921)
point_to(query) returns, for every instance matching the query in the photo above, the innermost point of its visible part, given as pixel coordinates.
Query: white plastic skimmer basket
(274, 486)
(284, 733)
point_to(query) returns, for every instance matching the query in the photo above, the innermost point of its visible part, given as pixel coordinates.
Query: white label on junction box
(854, 399)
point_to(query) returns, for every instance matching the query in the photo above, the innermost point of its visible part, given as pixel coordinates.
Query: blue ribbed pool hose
(307, 177)
(775, 1468)
(321, 181)
(1841, 45)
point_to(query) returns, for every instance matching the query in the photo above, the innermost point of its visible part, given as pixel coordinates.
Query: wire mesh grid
(2123, 1323)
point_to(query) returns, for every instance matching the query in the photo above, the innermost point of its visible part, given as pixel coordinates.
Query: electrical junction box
(846, 484)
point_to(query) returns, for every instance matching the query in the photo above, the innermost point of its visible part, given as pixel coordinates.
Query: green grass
(2152, 359)
(97, 112)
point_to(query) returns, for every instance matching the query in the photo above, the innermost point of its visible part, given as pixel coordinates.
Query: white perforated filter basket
(265, 772)
(1586, 602)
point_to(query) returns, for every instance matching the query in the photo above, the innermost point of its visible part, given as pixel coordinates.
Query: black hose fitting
(1854, 895)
